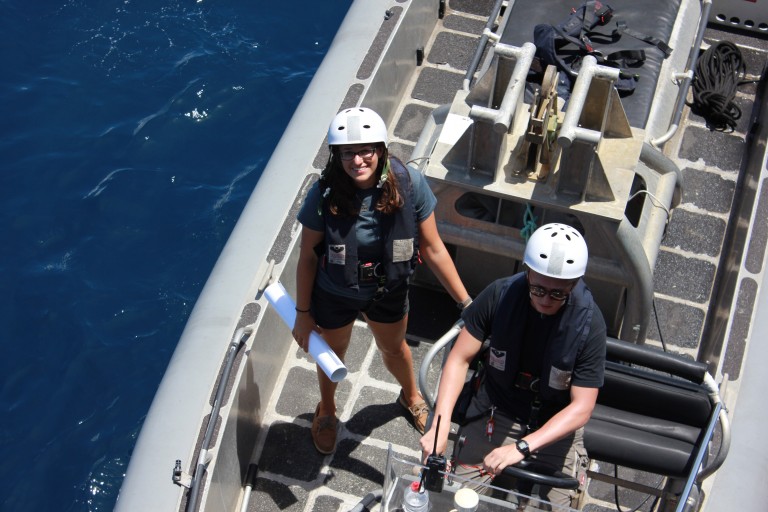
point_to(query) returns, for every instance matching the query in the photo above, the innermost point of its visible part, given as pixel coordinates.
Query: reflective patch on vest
(402, 250)
(498, 359)
(559, 379)
(337, 254)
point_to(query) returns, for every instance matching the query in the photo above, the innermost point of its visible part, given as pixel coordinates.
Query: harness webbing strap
(626, 58)
(621, 28)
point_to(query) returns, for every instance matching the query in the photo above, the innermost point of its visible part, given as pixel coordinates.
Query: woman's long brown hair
(339, 189)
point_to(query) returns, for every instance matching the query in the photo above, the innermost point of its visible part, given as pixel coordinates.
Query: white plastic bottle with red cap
(415, 500)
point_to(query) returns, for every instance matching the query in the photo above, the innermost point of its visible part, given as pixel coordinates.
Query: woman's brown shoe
(324, 432)
(419, 412)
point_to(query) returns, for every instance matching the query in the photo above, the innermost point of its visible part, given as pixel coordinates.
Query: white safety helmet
(557, 250)
(357, 125)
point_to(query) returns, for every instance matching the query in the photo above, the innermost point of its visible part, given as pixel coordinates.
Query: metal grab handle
(439, 345)
(502, 117)
(686, 77)
(241, 335)
(542, 473)
(570, 130)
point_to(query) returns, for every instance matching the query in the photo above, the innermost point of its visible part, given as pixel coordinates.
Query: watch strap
(466, 302)
(522, 447)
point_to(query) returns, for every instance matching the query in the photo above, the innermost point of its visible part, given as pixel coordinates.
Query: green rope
(529, 223)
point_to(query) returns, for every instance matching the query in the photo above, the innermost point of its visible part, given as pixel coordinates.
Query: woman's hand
(304, 325)
(305, 280)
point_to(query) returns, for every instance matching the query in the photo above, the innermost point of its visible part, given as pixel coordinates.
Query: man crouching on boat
(364, 225)
(545, 365)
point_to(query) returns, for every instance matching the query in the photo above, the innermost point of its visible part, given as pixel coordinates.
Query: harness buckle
(527, 382)
(523, 381)
(604, 14)
(370, 271)
(533, 418)
(587, 44)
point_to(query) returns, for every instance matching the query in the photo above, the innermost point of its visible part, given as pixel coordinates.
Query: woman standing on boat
(364, 225)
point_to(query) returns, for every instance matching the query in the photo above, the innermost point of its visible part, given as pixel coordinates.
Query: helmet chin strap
(384, 174)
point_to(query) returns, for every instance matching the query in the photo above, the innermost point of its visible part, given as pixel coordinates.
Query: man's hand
(501, 457)
(427, 443)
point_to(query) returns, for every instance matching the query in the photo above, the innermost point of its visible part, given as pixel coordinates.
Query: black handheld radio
(433, 476)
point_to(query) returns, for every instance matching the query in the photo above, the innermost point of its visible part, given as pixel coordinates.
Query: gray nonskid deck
(292, 474)
(294, 477)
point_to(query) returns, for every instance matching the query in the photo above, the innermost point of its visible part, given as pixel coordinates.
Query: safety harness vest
(565, 341)
(400, 233)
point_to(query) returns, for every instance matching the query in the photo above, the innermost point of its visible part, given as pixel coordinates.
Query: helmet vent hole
(570, 262)
(543, 256)
(366, 126)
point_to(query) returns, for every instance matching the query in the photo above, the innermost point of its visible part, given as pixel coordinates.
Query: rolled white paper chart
(326, 358)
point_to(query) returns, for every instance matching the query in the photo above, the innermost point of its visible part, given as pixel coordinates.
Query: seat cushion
(635, 447)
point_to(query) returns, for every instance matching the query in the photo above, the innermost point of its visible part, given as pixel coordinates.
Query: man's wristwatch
(466, 302)
(523, 448)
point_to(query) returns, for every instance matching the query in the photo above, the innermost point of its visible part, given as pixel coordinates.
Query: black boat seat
(644, 419)
(654, 18)
(651, 413)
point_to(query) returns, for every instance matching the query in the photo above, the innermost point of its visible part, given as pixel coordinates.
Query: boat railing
(488, 35)
(444, 341)
(204, 456)
(684, 78)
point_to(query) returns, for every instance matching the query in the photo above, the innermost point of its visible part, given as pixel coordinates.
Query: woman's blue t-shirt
(370, 242)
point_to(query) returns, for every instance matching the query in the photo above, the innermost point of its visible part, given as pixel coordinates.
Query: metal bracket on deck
(266, 278)
(181, 478)
(501, 118)
(594, 112)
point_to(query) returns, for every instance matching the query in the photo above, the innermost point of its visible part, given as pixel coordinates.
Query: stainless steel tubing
(439, 345)
(639, 279)
(725, 431)
(202, 459)
(482, 44)
(688, 76)
(502, 118)
(683, 500)
(570, 131)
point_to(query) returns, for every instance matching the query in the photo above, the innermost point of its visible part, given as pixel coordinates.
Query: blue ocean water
(133, 132)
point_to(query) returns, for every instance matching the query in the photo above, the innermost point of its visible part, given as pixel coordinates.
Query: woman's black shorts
(332, 311)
